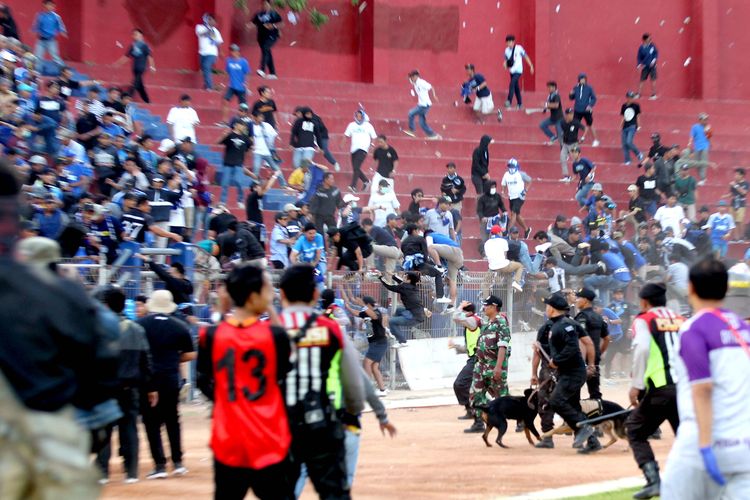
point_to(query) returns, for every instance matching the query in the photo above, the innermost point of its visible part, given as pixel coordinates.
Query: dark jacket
(305, 133)
(135, 367)
(182, 289)
(595, 327)
(447, 186)
(480, 158)
(487, 204)
(584, 97)
(320, 126)
(410, 298)
(563, 345)
(326, 201)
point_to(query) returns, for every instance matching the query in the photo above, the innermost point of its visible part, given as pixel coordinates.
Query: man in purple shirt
(711, 456)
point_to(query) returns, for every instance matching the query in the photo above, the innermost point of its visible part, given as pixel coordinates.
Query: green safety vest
(471, 337)
(333, 384)
(657, 372)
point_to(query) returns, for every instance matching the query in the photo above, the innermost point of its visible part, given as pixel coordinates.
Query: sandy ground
(430, 458)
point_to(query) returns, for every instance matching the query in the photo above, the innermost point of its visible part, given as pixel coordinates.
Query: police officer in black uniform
(566, 358)
(542, 377)
(598, 330)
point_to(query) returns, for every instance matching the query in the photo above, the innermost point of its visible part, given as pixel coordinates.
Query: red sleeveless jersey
(250, 427)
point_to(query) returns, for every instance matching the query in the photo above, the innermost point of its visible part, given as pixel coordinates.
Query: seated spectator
(109, 126)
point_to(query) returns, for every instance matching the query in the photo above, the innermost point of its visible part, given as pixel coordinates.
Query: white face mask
(493, 191)
(385, 190)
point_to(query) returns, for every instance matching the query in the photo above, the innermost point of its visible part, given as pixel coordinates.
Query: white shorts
(484, 104)
(688, 480)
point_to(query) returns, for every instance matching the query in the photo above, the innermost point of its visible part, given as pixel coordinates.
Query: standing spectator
(489, 206)
(480, 164)
(383, 203)
(422, 89)
(700, 143)
(281, 243)
(570, 128)
(516, 185)
(671, 215)
(304, 137)
(585, 99)
(483, 104)
(738, 189)
(267, 22)
(237, 69)
(648, 190)
(684, 187)
(8, 24)
(266, 105)
(140, 53)
(324, 138)
(496, 250)
(585, 171)
(209, 40)
(264, 137)
(182, 120)
(48, 25)
(325, 203)
(453, 185)
(387, 162)
(171, 344)
(631, 122)
(554, 106)
(68, 85)
(513, 62)
(647, 57)
(657, 149)
(361, 133)
(720, 226)
(174, 280)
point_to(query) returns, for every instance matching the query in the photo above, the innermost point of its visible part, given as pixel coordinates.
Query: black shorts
(376, 350)
(241, 95)
(277, 264)
(515, 205)
(648, 72)
(275, 481)
(584, 116)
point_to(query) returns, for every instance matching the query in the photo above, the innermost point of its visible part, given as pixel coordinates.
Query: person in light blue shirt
(720, 225)
(280, 242)
(310, 248)
(237, 69)
(700, 143)
(47, 26)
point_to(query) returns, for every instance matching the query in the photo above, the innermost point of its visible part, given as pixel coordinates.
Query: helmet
(513, 165)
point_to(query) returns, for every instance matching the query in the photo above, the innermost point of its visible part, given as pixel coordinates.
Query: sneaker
(240, 205)
(443, 300)
(507, 104)
(527, 233)
(222, 124)
(517, 287)
(702, 183)
(261, 73)
(103, 481)
(592, 446)
(477, 426)
(185, 391)
(337, 167)
(653, 97)
(543, 247)
(351, 189)
(398, 345)
(434, 137)
(441, 269)
(272, 77)
(130, 480)
(409, 133)
(565, 179)
(499, 115)
(595, 144)
(381, 393)
(179, 469)
(637, 95)
(627, 163)
(157, 474)
(640, 157)
(583, 435)
(551, 142)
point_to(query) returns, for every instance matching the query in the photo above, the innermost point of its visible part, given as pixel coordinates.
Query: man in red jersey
(325, 366)
(242, 364)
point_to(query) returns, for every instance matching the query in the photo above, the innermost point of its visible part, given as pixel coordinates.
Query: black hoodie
(480, 159)
(487, 204)
(305, 132)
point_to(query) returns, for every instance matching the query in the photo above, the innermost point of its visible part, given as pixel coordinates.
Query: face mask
(493, 191)
(26, 134)
(385, 190)
(353, 204)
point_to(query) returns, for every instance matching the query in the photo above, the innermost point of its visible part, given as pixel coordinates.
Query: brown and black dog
(519, 408)
(613, 427)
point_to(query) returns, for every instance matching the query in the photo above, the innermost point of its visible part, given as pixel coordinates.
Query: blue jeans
(420, 111)
(50, 47)
(327, 152)
(545, 126)
(401, 322)
(583, 193)
(300, 154)
(604, 284)
(258, 162)
(720, 248)
(232, 176)
(207, 65)
(627, 143)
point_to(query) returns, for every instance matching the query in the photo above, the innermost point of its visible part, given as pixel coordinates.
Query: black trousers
(462, 384)
(266, 57)
(358, 157)
(514, 88)
(275, 482)
(429, 270)
(138, 86)
(324, 455)
(479, 184)
(349, 260)
(657, 406)
(594, 381)
(547, 386)
(566, 398)
(322, 220)
(164, 413)
(129, 401)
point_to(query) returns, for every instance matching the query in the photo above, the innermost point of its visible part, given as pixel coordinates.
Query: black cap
(652, 291)
(493, 300)
(557, 301)
(368, 300)
(586, 293)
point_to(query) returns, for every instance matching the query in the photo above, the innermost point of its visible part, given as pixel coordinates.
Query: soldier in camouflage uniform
(490, 378)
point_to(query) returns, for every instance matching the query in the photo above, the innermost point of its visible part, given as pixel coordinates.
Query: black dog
(520, 408)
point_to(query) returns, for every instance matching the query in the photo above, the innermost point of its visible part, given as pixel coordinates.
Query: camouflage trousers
(484, 388)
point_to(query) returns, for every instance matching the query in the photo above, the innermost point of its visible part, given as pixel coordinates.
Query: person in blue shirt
(110, 127)
(585, 171)
(310, 249)
(51, 220)
(700, 144)
(47, 26)
(75, 174)
(45, 128)
(617, 315)
(617, 275)
(583, 108)
(720, 225)
(647, 57)
(237, 69)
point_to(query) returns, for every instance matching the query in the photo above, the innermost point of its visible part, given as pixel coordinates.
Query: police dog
(613, 427)
(500, 410)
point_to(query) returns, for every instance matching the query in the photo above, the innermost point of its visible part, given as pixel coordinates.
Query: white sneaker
(499, 115)
(179, 470)
(595, 144)
(434, 137)
(381, 394)
(409, 133)
(517, 287)
(157, 474)
(443, 300)
(565, 179)
(627, 163)
(130, 480)
(337, 167)
(702, 183)
(261, 73)
(240, 205)
(272, 77)
(653, 97)
(103, 481)
(543, 247)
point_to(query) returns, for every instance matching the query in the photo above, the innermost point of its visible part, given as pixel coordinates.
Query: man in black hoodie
(480, 164)
(305, 137)
(320, 126)
(489, 206)
(325, 202)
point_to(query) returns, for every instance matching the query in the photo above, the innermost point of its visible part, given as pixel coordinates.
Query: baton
(542, 351)
(602, 418)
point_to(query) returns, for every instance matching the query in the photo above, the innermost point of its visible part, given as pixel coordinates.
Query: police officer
(490, 375)
(542, 378)
(598, 330)
(565, 354)
(467, 318)
(652, 390)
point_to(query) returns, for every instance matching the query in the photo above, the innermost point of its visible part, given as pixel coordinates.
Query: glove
(712, 467)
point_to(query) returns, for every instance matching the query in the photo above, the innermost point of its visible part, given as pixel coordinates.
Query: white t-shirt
(387, 200)
(208, 44)
(422, 89)
(670, 217)
(518, 55)
(263, 138)
(361, 134)
(183, 121)
(515, 184)
(496, 249)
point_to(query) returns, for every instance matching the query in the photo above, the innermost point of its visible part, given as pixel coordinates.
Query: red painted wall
(387, 38)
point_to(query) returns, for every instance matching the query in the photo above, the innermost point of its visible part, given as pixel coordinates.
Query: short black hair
(366, 222)
(740, 171)
(138, 30)
(416, 191)
(243, 281)
(646, 36)
(710, 279)
(141, 298)
(185, 97)
(179, 267)
(382, 137)
(114, 298)
(552, 83)
(541, 235)
(413, 277)
(410, 228)
(309, 227)
(450, 164)
(413, 72)
(470, 307)
(327, 297)
(327, 175)
(469, 66)
(232, 226)
(298, 283)
(510, 38)
(262, 89)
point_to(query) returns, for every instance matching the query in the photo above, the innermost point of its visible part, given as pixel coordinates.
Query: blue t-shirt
(615, 331)
(73, 173)
(616, 265)
(441, 239)
(720, 226)
(112, 129)
(307, 250)
(237, 69)
(700, 141)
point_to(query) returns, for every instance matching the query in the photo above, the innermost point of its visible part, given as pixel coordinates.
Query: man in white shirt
(514, 56)
(209, 40)
(182, 120)
(496, 250)
(264, 136)
(361, 132)
(671, 215)
(422, 89)
(516, 184)
(383, 202)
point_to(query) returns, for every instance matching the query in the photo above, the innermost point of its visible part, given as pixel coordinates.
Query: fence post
(509, 305)
(103, 278)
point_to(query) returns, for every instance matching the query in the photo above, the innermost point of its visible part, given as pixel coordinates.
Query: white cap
(166, 145)
(38, 159)
(350, 197)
